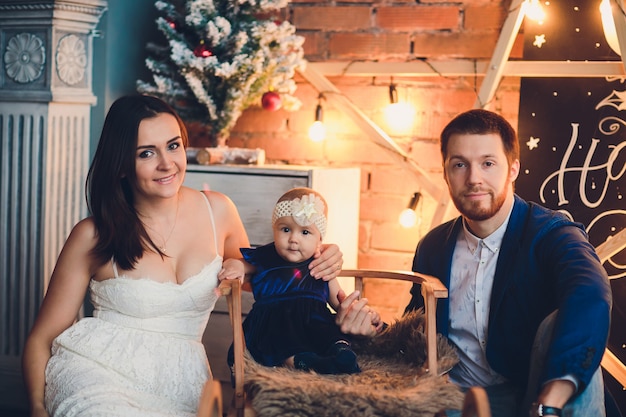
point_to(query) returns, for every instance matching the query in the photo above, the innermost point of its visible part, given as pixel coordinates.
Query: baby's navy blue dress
(290, 314)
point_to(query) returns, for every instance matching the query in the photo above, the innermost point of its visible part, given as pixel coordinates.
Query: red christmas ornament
(171, 23)
(271, 101)
(202, 51)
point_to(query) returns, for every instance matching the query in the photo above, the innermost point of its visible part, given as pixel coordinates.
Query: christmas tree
(223, 56)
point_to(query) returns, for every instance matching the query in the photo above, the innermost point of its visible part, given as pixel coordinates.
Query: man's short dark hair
(478, 122)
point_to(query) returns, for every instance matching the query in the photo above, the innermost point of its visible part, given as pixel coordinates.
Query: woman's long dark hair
(111, 178)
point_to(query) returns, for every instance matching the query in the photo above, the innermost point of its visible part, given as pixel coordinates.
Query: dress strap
(212, 221)
(114, 265)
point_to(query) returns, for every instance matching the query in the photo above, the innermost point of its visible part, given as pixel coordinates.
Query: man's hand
(327, 264)
(354, 316)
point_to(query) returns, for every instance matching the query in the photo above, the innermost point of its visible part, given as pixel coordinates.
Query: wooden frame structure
(610, 362)
(432, 290)
(493, 71)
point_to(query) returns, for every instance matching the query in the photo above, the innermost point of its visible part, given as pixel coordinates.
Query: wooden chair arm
(439, 290)
(232, 290)
(431, 288)
(605, 251)
(211, 400)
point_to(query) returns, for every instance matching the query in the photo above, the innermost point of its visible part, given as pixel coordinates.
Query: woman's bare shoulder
(84, 233)
(219, 201)
(85, 227)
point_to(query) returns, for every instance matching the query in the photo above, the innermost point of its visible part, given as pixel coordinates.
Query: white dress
(140, 355)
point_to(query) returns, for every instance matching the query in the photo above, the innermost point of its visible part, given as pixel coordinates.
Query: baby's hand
(232, 269)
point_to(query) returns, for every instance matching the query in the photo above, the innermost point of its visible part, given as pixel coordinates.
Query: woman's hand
(232, 269)
(327, 264)
(355, 317)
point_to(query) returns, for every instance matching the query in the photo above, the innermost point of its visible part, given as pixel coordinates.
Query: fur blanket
(392, 382)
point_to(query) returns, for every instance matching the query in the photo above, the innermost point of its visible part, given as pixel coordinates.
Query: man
(509, 264)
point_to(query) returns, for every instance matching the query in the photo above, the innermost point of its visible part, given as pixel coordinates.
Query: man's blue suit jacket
(545, 263)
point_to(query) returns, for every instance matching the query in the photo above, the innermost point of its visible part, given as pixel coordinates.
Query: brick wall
(381, 31)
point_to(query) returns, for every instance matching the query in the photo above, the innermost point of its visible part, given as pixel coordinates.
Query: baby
(290, 323)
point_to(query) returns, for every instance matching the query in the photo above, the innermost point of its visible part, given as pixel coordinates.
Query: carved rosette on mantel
(24, 58)
(71, 59)
(45, 102)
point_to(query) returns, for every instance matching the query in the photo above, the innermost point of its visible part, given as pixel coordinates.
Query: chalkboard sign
(572, 135)
(573, 153)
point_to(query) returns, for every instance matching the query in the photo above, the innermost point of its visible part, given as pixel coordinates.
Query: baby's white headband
(307, 210)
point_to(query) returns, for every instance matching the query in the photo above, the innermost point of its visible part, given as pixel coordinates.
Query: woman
(151, 254)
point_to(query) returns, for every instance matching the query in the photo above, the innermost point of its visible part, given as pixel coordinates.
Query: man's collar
(493, 241)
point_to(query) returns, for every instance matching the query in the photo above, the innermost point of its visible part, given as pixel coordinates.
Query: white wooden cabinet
(255, 190)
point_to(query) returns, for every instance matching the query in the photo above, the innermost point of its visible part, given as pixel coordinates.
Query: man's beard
(475, 210)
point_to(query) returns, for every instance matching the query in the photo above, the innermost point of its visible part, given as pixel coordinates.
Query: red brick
(430, 124)
(361, 2)
(364, 236)
(366, 177)
(305, 92)
(367, 45)
(465, 2)
(420, 17)
(369, 98)
(393, 179)
(384, 210)
(386, 260)
(517, 51)
(292, 148)
(356, 150)
(382, 207)
(332, 18)
(388, 297)
(315, 45)
(470, 45)
(277, 15)
(301, 120)
(429, 155)
(484, 17)
(392, 236)
(508, 104)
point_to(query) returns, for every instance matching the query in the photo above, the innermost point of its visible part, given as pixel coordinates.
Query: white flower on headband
(306, 209)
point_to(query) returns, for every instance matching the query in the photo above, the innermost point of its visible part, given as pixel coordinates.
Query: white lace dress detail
(140, 355)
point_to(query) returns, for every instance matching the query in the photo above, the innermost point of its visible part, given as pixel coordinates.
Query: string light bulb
(408, 216)
(317, 131)
(399, 115)
(534, 11)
